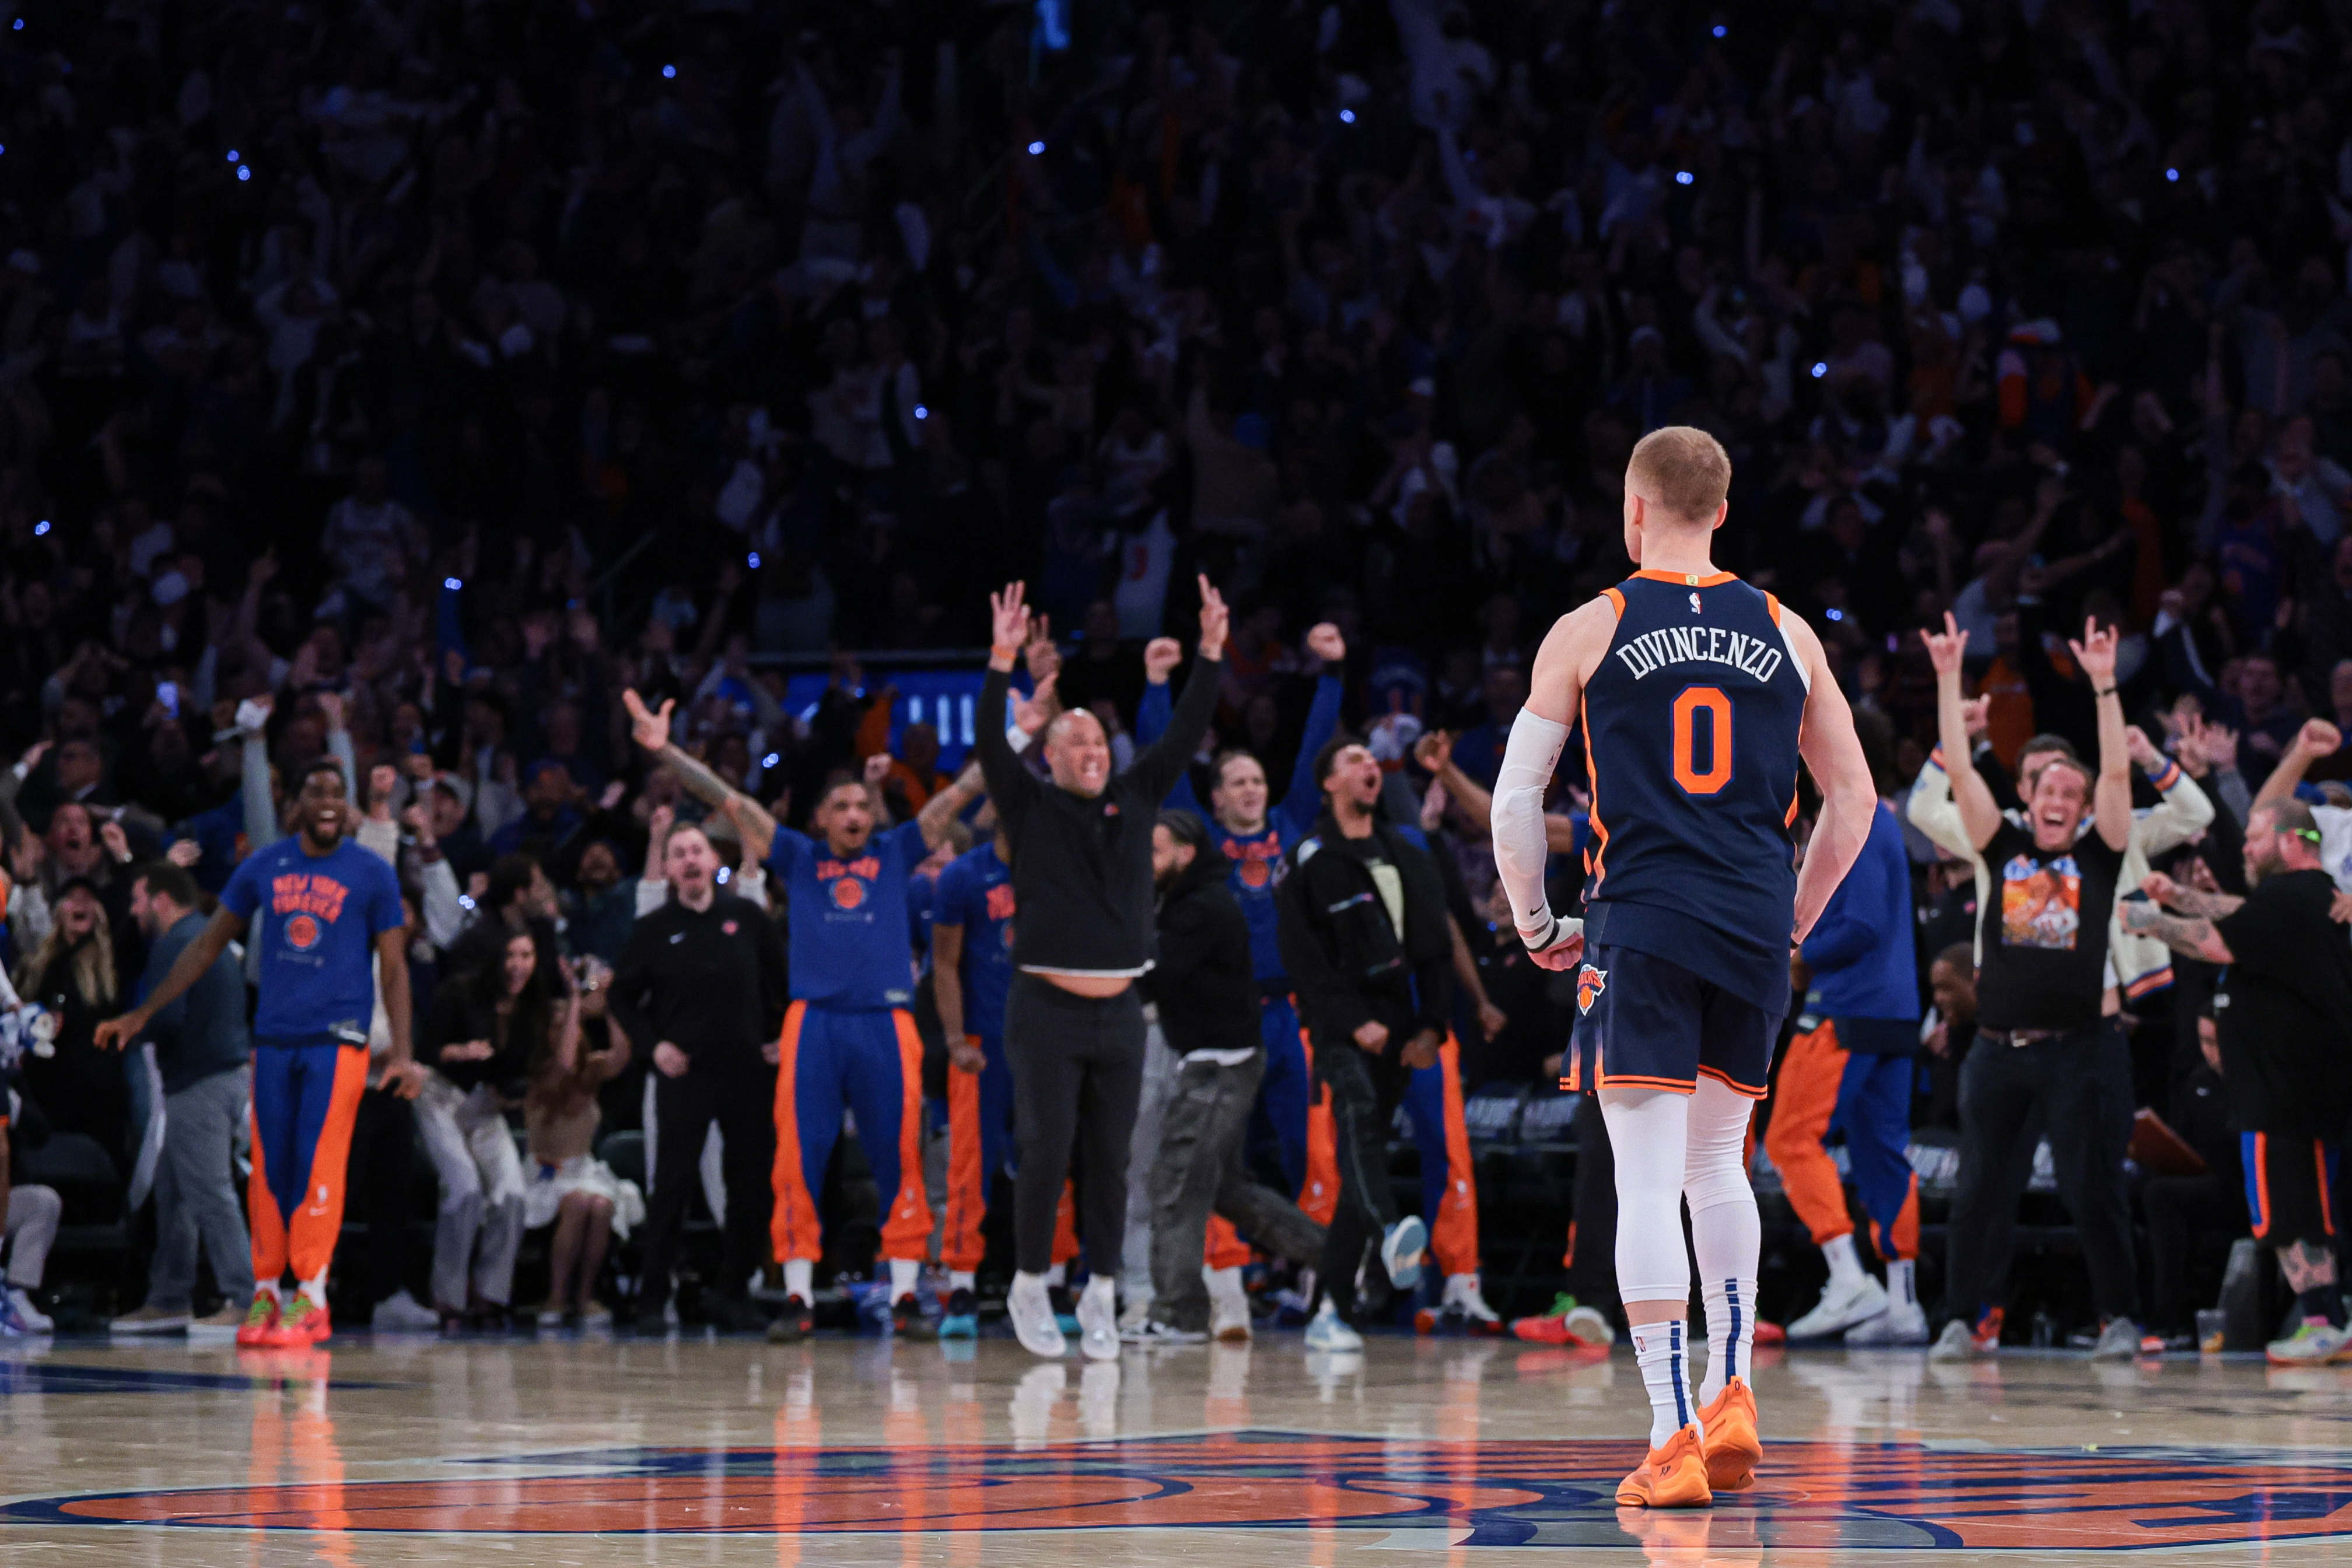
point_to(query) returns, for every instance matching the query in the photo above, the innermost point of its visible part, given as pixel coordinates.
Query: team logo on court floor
(1810, 1496)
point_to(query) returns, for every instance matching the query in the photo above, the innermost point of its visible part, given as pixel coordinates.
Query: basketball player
(330, 927)
(848, 1039)
(1697, 694)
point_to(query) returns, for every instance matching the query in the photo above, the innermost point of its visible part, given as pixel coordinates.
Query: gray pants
(31, 1228)
(1199, 1169)
(195, 1192)
(466, 1137)
(1160, 1066)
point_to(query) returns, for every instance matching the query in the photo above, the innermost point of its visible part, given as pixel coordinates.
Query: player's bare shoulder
(1571, 650)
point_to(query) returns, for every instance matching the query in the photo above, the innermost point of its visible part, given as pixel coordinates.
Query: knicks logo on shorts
(848, 892)
(302, 933)
(1590, 983)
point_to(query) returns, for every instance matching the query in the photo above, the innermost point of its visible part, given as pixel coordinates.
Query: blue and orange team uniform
(1849, 1067)
(1291, 1113)
(313, 921)
(1691, 723)
(848, 1037)
(975, 896)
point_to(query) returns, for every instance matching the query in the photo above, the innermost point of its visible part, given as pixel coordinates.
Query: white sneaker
(1098, 1319)
(1136, 1313)
(401, 1312)
(19, 1316)
(1326, 1333)
(1402, 1245)
(1904, 1325)
(1031, 1312)
(1465, 1299)
(1152, 1331)
(1229, 1311)
(1588, 1324)
(2311, 1344)
(1841, 1307)
(1960, 1342)
(2118, 1341)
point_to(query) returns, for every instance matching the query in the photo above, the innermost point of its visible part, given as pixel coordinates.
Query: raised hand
(2141, 749)
(1977, 713)
(1433, 750)
(1031, 713)
(2318, 738)
(331, 709)
(1216, 619)
(1161, 658)
(650, 728)
(877, 768)
(1324, 641)
(1947, 647)
(2219, 745)
(185, 852)
(2096, 653)
(1040, 657)
(114, 841)
(1008, 619)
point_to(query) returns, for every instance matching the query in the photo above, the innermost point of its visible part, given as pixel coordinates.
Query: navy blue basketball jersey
(1691, 724)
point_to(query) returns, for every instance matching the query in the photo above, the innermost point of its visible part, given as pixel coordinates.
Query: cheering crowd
(402, 387)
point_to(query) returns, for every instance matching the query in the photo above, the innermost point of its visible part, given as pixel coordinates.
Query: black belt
(2023, 1036)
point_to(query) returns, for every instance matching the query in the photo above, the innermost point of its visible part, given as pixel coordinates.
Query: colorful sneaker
(1768, 1333)
(961, 1320)
(260, 1321)
(306, 1325)
(2314, 1343)
(906, 1320)
(1567, 1324)
(1962, 1342)
(793, 1324)
(1402, 1245)
(1728, 1429)
(1673, 1475)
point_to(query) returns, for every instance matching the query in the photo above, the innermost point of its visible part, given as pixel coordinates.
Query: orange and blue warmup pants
(305, 1099)
(980, 1142)
(1449, 1186)
(871, 1061)
(1824, 1087)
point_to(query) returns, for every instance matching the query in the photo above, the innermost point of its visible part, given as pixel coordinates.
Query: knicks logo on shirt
(848, 892)
(302, 933)
(308, 893)
(1000, 902)
(1255, 865)
(1590, 983)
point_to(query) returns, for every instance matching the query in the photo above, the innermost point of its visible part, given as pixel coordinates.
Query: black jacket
(1348, 965)
(1204, 984)
(714, 984)
(1081, 866)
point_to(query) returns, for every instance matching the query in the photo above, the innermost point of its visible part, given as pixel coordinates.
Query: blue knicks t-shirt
(314, 919)
(849, 921)
(976, 893)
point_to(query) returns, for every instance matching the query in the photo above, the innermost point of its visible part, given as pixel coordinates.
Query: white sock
(315, 1287)
(961, 1280)
(1902, 1288)
(1730, 1333)
(1845, 1265)
(1659, 1349)
(906, 1273)
(1056, 1277)
(270, 1288)
(800, 1278)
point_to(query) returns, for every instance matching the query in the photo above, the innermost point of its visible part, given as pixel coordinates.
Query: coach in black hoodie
(1206, 992)
(1364, 936)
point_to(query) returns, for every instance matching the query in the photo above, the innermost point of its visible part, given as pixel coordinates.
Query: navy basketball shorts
(1645, 1022)
(2288, 1183)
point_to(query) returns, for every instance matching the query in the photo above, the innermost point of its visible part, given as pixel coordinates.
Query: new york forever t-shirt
(314, 922)
(2046, 931)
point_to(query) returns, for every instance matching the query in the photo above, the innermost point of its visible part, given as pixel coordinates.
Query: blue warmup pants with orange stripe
(979, 1144)
(2290, 1188)
(871, 1062)
(1824, 1087)
(305, 1099)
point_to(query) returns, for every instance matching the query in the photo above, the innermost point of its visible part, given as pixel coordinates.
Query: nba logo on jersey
(1694, 605)
(1590, 983)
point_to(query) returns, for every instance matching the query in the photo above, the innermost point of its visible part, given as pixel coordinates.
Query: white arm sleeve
(1518, 822)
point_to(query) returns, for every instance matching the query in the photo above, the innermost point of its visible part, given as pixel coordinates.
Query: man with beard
(1203, 997)
(326, 906)
(2285, 1010)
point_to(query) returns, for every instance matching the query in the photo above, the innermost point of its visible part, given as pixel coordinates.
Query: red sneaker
(307, 1324)
(260, 1321)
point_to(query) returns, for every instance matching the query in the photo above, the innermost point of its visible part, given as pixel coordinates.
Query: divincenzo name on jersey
(1653, 651)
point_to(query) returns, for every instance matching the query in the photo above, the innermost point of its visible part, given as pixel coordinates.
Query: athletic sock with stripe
(1730, 1333)
(1661, 1349)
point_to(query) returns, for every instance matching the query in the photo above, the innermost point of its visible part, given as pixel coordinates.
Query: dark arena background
(408, 384)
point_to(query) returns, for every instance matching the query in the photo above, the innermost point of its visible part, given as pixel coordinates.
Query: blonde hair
(93, 964)
(1682, 472)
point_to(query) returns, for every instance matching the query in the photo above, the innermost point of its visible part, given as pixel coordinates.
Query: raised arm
(2111, 801)
(1010, 785)
(1434, 752)
(2317, 739)
(223, 928)
(651, 730)
(1303, 801)
(1979, 816)
(2190, 933)
(948, 804)
(1570, 650)
(1833, 755)
(1165, 760)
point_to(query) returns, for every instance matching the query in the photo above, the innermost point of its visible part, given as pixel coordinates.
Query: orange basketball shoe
(1673, 1475)
(304, 1325)
(1733, 1448)
(260, 1319)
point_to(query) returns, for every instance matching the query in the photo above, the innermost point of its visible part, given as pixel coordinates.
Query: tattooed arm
(2213, 906)
(752, 819)
(948, 804)
(2190, 935)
